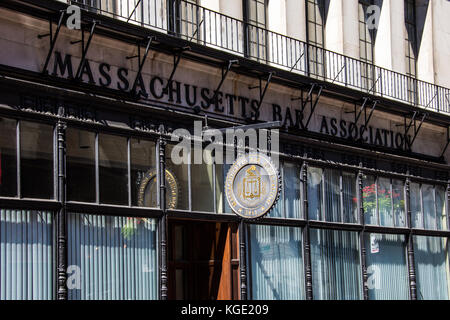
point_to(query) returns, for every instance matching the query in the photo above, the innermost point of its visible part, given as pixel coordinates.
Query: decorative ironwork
(163, 221)
(85, 48)
(176, 61)
(262, 92)
(53, 39)
(141, 62)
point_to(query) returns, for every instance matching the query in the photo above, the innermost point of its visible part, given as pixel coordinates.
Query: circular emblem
(252, 186)
(147, 190)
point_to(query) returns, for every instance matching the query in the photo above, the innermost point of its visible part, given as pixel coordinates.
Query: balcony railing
(192, 22)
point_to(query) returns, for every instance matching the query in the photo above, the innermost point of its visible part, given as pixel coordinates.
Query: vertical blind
(26, 255)
(386, 267)
(111, 258)
(432, 267)
(335, 263)
(276, 263)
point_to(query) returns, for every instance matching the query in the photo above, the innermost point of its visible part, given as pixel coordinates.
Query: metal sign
(252, 186)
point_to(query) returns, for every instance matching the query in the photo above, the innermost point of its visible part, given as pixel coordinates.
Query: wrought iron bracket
(448, 142)
(413, 124)
(262, 92)
(85, 48)
(53, 39)
(176, 61)
(225, 70)
(132, 12)
(141, 61)
(363, 109)
(312, 102)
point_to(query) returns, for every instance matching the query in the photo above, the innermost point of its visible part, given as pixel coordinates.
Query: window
(115, 258)
(255, 15)
(144, 174)
(428, 209)
(432, 268)
(315, 15)
(384, 201)
(276, 263)
(335, 261)
(26, 255)
(411, 47)
(366, 45)
(184, 18)
(386, 267)
(8, 157)
(332, 195)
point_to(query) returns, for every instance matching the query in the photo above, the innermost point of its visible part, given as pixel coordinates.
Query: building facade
(90, 105)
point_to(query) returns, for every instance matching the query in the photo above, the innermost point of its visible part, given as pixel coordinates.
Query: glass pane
(36, 151)
(370, 200)
(221, 201)
(113, 169)
(386, 267)
(429, 210)
(441, 214)
(276, 263)
(292, 203)
(80, 165)
(385, 202)
(350, 197)
(202, 185)
(315, 190)
(8, 158)
(26, 255)
(335, 261)
(180, 172)
(398, 198)
(144, 175)
(332, 196)
(432, 268)
(115, 257)
(416, 207)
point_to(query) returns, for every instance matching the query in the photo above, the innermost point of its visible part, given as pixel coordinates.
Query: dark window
(315, 13)
(36, 160)
(255, 15)
(366, 44)
(411, 47)
(8, 157)
(144, 182)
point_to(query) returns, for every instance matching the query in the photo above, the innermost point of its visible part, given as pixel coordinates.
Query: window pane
(221, 201)
(416, 207)
(441, 214)
(292, 203)
(429, 210)
(370, 200)
(113, 169)
(276, 263)
(385, 202)
(80, 165)
(202, 185)
(432, 268)
(26, 255)
(315, 186)
(332, 196)
(36, 151)
(398, 198)
(8, 158)
(350, 197)
(386, 267)
(180, 172)
(114, 256)
(335, 264)
(144, 176)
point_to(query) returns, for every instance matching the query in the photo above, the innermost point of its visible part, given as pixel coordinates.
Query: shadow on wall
(421, 15)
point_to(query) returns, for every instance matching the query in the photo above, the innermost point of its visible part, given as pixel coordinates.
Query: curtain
(315, 193)
(432, 267)
(441, 214)
(292, 202)
(349, 197)
(26, 255)
(332, 195)
(416, 206)
(335, 263)
(111, 258)
(276, 263)
(386, 267)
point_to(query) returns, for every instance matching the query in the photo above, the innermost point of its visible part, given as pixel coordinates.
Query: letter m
(67, 64)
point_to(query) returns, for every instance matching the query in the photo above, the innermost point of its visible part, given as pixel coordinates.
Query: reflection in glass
(180, 172)
(429, 210)
(441, 215)
(203, 184)
(315, 193)
(335, 261)
(432, 267)
(292, 203)
(416, 206)
(8, 158)
(144, 175)
(386, 267)
(398, 199)
(370, 200)
(221, 201)
(385, 202)
(349, 197)
(80, 165)
(115, 257)
(276, 263)
(36, 151)
(332, 195)
(113, 169)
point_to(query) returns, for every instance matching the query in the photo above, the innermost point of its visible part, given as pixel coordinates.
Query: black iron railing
(192, 22)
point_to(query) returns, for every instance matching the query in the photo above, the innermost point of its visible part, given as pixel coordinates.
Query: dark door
(203, 261)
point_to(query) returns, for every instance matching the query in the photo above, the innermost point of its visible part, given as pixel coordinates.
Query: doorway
(203, 261)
